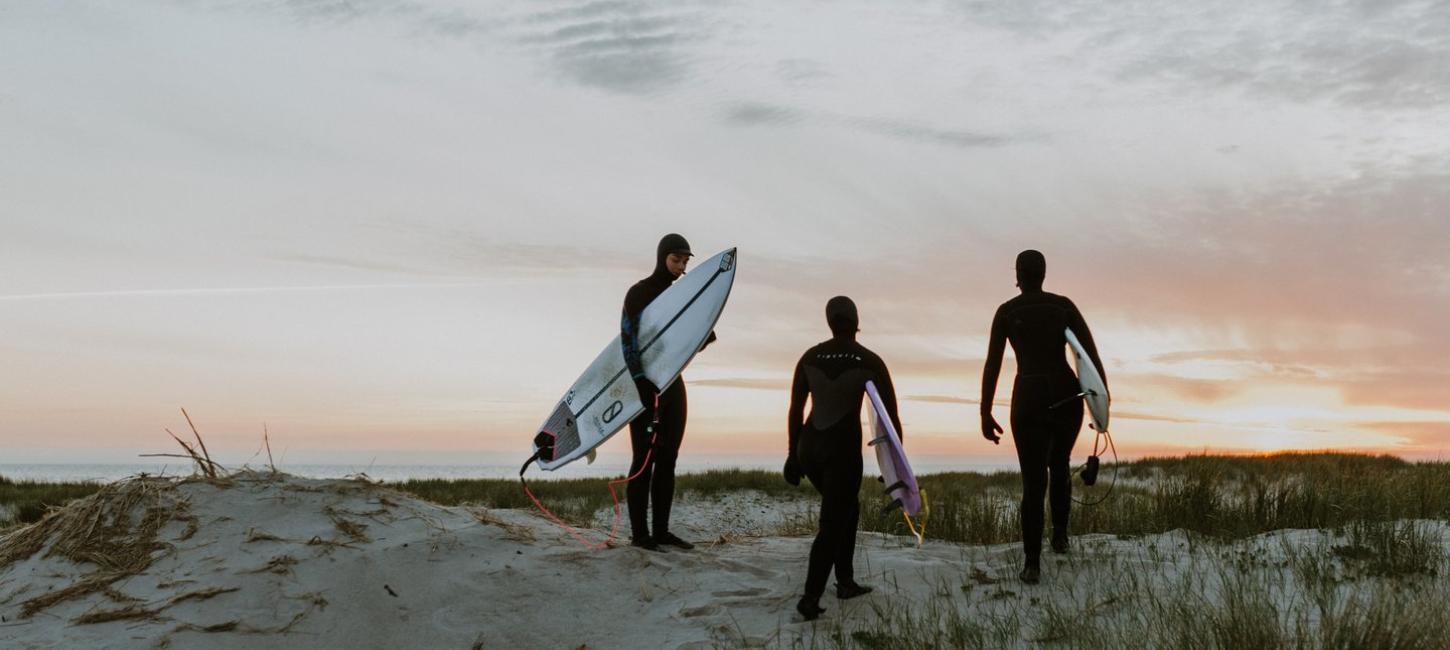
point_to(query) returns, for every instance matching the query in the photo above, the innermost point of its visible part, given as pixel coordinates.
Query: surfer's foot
(1030, 574)
(849, 590)
(669, 539)
(1059, 543)
(810, 608)
(647, 543)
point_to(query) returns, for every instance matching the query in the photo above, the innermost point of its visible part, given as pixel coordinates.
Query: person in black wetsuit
(826, 448)
(1045, 417)
(658, 480)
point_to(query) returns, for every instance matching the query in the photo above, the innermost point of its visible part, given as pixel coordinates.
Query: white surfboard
(671, 330)
(1095, 392)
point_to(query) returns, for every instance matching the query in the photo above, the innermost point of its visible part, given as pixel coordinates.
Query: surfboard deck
(673, 328)
(890, 456)
(1091, 383)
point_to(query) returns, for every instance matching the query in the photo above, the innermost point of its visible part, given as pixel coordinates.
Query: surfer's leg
(673, 412)
(1063, 438)
(847, 495)
(822, 556)
(1032, 460)
(1029, 436)
(637, 492)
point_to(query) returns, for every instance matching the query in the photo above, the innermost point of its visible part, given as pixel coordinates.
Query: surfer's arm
(799, 389)
(1084, 336)
(996, 347)
(629, 333)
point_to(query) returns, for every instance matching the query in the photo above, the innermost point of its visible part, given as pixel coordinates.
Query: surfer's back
(835, 373)
(1033, 323)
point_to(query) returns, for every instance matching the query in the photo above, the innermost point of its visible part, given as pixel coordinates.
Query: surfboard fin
(893, 486)
(589, 457)
(876, 441)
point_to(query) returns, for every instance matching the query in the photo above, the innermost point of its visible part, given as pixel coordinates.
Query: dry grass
(204, 594)
(131, 613)
(511, 531)
(254, 535)
(116, 530)
(280, 565)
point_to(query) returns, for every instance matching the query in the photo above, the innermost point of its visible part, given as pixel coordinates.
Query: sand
(262, 560)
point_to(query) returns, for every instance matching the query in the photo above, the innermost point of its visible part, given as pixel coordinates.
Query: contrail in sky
(169, 293)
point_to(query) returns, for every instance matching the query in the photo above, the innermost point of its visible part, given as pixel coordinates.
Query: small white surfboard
(1095, 392)
(671, 330)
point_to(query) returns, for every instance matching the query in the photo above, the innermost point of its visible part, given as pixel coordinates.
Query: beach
(258, 559)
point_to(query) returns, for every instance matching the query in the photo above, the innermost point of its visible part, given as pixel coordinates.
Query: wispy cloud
(1365, 54)
(763, 114)
(778, 385)
(177, 293)
(626, 47)
(1431, 434)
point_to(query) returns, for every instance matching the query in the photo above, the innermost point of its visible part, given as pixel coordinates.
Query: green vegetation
(1217, 601)
(23, 502)
(1222, 497)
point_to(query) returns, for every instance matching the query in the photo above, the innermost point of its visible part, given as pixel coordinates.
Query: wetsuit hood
(671, 243)
(842, 317)
(1031, 270)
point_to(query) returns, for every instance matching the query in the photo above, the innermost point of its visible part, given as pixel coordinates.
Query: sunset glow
(401, 233)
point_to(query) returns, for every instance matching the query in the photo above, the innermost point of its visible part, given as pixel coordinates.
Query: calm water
(603, 468)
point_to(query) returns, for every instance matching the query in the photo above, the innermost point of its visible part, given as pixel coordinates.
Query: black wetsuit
(656, 482)
(828, 445)
(1044, 436)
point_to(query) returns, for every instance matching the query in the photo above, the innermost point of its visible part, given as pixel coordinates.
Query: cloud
(450, 252)
(1205, 391)
(763, 114)
(1379, 55)
(777, 385)
(1411, 387)
(625, 47)
(1151, 417)
(1434, 434)
(919, 133)
(753, 113)
(174, 293)
(942, 399)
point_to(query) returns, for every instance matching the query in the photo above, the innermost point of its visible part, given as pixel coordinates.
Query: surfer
(657, 480)
(826, 447)
(1045, 420)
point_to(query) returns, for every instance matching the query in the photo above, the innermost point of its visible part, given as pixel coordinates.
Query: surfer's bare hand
(990, 429)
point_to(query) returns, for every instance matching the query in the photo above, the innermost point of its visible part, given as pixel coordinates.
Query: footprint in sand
(703, 610)
(741, 593)
(742, 567)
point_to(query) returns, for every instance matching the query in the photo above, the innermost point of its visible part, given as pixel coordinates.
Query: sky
(398, 230)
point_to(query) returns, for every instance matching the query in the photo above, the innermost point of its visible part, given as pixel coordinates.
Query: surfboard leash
(614, 528)
(1109, 446)
(919, 530)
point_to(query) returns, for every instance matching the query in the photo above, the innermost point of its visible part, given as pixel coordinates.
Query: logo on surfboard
(727, 262)
(613, 411)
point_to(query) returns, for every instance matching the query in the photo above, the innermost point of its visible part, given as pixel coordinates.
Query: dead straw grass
(116, 530)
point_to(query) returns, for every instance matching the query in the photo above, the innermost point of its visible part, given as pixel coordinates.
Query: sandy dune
(277, 561)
